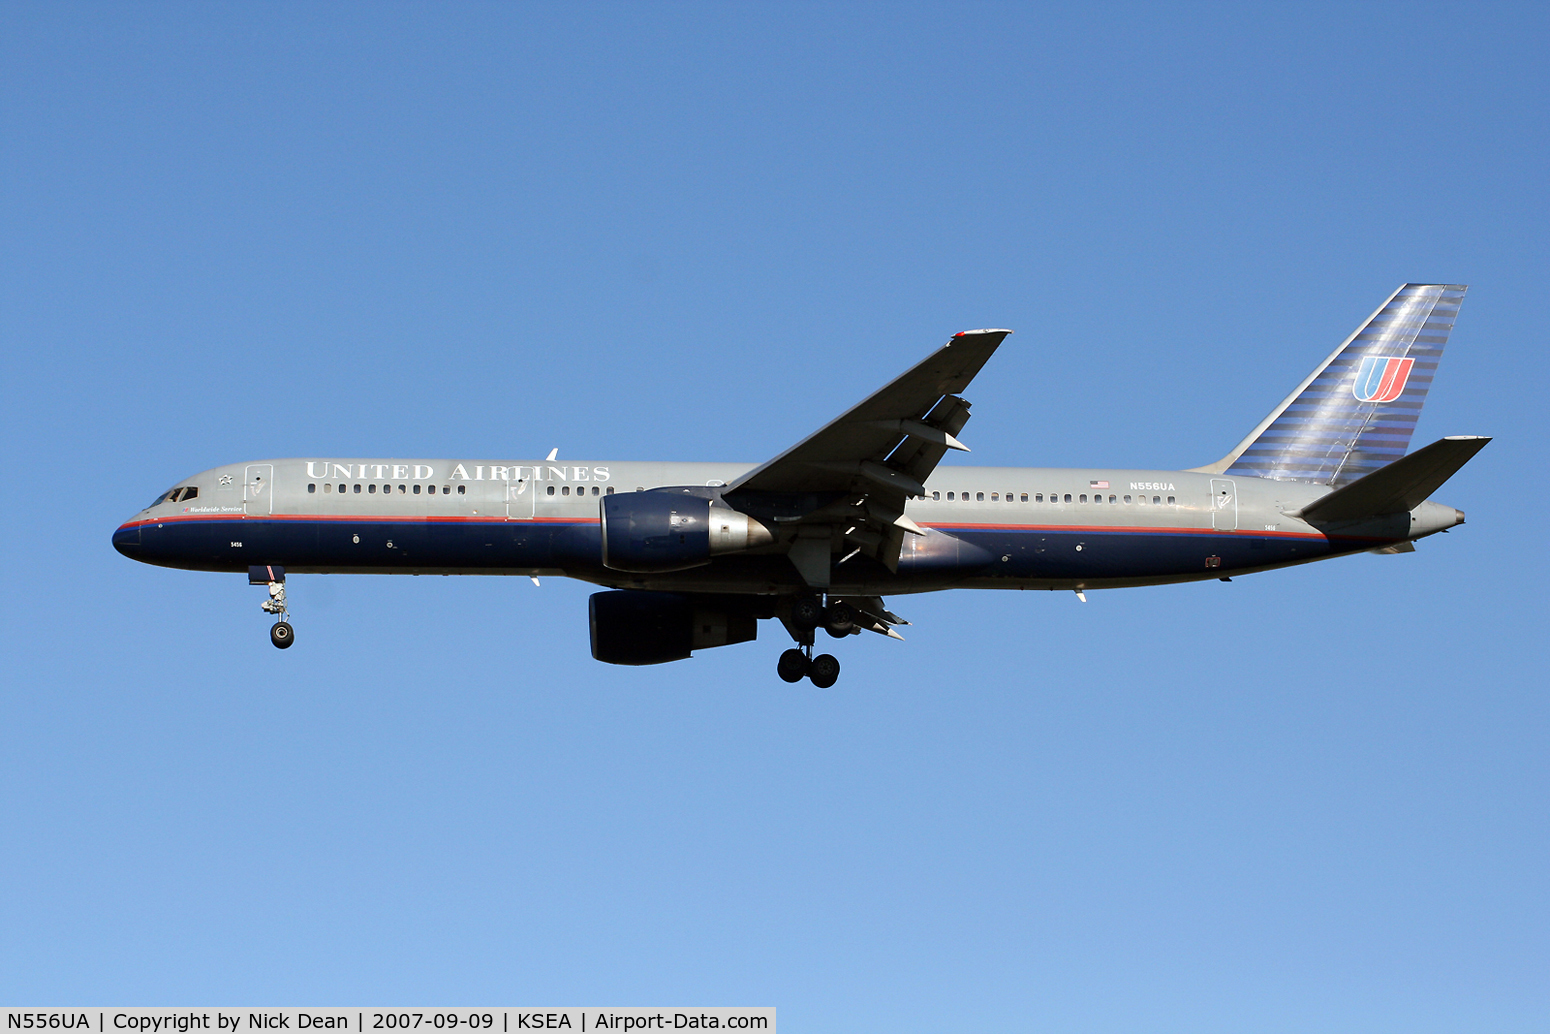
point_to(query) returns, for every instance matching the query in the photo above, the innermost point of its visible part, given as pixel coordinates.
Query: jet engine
(634, 627)
(672, 530)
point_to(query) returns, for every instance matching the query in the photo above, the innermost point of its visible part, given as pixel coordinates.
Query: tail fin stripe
(1356, 411)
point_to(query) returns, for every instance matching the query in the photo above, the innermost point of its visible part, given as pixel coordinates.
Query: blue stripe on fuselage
(946, 554)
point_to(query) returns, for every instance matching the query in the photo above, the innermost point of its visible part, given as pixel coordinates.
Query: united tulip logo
(1381, 380)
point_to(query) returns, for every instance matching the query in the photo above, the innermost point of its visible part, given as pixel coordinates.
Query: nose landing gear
(282, 635)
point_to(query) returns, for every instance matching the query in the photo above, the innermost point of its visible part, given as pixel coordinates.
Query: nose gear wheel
(281, 634)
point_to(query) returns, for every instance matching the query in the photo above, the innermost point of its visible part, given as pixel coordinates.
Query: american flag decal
(1097, 484)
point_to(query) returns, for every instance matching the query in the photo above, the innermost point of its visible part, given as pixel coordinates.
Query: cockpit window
(180, 494)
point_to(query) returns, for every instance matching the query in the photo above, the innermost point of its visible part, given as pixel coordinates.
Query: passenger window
(1170, 500)
(327, 488)
(371, 489)
(610, 489)
(1127, 499)
(551, 490)
(462, 489)
(311, 489)
(446, 489)
(995, 497)
(565, 490)
(979, 496)
(1068, 497)
(1157, 500)
(936, 496)
(1111, 499)
(594, 490)
(403, 489)
(949, 497)
(1084, 498)
(416, 489)
(357, 489)
(1141, 499)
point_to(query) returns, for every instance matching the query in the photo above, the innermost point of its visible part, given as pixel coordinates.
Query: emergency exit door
(520, 495)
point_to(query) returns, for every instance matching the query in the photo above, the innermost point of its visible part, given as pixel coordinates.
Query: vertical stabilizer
(1357, 410)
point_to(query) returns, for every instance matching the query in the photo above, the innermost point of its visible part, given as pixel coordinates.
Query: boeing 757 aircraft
(693, 555)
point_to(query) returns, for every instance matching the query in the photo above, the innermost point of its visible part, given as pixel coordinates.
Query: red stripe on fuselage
(357, 519)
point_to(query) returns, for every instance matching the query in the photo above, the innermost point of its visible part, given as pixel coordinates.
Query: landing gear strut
(282, 635)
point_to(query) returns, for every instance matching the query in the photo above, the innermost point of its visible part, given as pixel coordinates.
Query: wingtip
(986, 330)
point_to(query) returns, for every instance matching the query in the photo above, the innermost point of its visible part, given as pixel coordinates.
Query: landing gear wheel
(824, 670)
(792, 665)
(806, 612)
(839, 620)
(282, 635)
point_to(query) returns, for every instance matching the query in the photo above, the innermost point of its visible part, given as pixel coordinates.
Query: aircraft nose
(127, 539)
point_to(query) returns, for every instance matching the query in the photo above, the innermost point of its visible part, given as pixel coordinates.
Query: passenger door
(258, 489)
(1224, 505)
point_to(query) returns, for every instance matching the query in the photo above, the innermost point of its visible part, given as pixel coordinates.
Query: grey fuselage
(985, 527)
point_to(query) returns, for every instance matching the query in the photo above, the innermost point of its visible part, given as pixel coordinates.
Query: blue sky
(1311, 799)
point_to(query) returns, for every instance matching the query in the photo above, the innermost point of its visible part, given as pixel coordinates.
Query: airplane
(693, 555)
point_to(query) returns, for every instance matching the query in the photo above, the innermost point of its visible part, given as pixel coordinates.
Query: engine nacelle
(670, 530)
(634, 627)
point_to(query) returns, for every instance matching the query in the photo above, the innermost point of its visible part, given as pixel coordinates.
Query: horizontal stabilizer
(1399, 487)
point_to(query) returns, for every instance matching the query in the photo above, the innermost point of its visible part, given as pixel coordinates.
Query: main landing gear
(281, 634)
(805, 616)
(796, 664)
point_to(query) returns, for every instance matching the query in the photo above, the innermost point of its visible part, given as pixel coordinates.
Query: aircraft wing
(881, 451)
